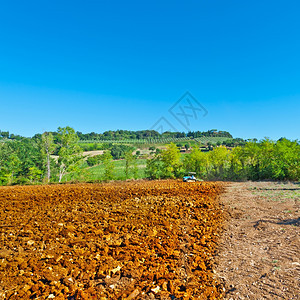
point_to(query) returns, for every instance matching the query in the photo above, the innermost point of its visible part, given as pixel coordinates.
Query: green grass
(96, 173)
(278, 195)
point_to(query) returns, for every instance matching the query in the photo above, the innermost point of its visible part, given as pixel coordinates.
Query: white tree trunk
(62, 170)
(48, 166)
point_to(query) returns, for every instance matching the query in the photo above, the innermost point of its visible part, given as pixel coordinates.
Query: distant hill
(143, 137)
(149, 135)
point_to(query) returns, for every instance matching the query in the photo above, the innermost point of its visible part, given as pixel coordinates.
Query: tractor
(190, 177)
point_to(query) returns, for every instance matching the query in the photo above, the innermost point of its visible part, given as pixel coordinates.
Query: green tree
(20, 156)
(5, 134)
(16, 158)
(70, 153)
(154, 167)
(196, 161)
(218, 161)
(171, 161)
(129, 158)
(10, 163)
(251, 155)
(265, 159)
(47, 148)
(13, 167)
(135, 169)
(94, 160)
(285, 162)
(108, 165)
(5, 152)
(34, 174)
(237, 164)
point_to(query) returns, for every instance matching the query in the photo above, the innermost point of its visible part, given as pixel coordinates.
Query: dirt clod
(136, 240)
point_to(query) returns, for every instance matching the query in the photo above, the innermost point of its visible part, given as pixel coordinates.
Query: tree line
(263, 160)
(31, 160)
(149, 134)
(209, 133)
(128, 134)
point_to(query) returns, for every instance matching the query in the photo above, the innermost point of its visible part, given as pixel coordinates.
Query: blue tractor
(190, 177)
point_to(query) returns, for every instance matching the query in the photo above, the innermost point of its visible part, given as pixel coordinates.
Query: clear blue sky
(101, 65)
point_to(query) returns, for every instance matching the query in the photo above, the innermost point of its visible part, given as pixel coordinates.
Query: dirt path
(260, 250)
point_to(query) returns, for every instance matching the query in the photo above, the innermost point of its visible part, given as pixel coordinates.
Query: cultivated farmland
(136, 240)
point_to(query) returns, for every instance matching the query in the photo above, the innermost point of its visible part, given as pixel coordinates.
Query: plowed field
(137, 240)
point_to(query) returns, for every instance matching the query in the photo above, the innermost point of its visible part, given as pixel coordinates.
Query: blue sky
(106, 65)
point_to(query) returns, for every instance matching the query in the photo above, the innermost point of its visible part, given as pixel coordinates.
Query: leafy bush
(94, 160)
(165, 164)
(118, 151)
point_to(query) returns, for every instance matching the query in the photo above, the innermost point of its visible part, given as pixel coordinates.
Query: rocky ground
(128, 240)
